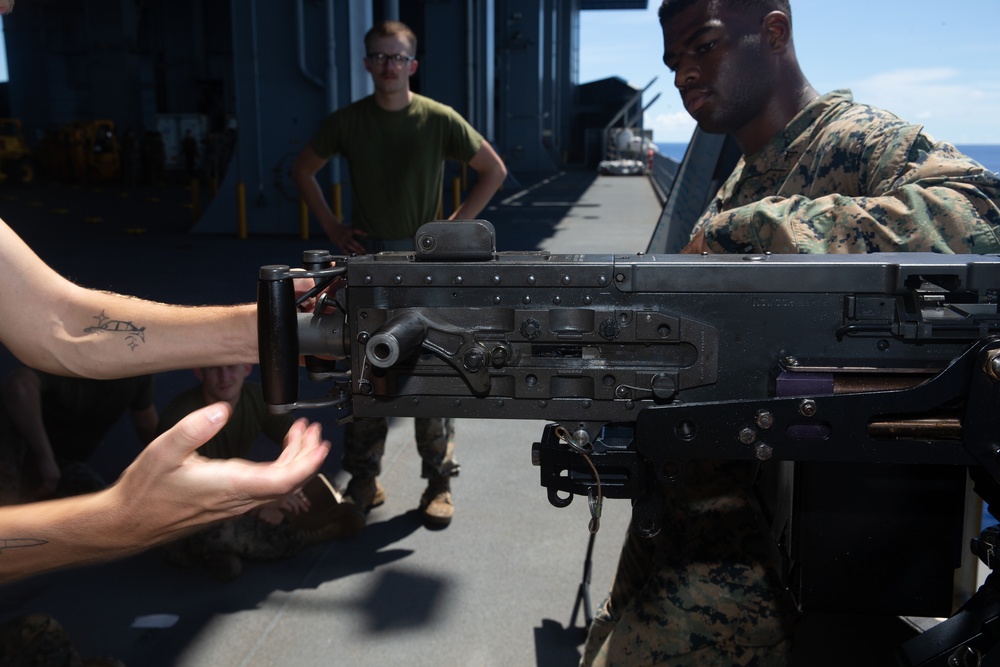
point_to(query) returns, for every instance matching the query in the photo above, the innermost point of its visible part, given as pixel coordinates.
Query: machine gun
(643, 362)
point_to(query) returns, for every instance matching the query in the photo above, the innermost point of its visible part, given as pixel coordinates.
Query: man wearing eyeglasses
(396, 142)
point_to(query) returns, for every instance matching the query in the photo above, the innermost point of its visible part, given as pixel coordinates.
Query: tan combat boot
(435, 505)
(366, 492)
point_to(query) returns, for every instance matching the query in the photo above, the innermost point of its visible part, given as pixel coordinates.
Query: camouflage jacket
(849, 178)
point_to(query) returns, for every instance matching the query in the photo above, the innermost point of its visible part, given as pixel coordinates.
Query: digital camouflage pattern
(849, 178)
(364, 446)
(245, 535)
(702, 592)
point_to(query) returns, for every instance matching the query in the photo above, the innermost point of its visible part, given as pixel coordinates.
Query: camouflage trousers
(701, 593)
(681, 620)
(246, 536)
(38, 640)
(364, 446)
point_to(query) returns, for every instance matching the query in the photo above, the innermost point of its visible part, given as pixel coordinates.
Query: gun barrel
(323, 335)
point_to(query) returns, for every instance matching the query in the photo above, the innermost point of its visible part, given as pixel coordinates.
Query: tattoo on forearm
(133, 335)
(20, 543)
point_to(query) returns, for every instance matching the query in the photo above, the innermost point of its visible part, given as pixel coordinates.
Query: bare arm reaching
(53, 325)
(168, 491)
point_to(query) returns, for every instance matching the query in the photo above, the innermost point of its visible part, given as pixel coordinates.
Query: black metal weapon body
(643, 362)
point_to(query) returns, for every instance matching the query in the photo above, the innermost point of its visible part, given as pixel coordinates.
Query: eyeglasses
(397, 60)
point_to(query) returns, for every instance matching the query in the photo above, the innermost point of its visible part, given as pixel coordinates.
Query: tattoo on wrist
(134, 335)
(20, 543)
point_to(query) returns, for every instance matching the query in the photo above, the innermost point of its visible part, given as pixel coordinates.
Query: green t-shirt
(396, 160)
(237, 437)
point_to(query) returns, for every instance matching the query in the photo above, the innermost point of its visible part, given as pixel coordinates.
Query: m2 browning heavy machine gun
(865, 385)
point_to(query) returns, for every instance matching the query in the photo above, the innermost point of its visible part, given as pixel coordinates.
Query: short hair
(391, 29)
(670, 8)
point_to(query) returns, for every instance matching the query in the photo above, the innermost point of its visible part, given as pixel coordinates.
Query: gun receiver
(881, 358)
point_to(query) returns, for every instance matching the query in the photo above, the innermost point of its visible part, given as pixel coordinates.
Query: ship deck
(497, 587)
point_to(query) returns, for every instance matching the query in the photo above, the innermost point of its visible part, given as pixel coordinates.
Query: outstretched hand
(170, 489)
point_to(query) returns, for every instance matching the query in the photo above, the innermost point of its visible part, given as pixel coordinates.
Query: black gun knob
(397, 339)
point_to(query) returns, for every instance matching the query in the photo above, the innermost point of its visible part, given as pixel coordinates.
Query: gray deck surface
(497, 587)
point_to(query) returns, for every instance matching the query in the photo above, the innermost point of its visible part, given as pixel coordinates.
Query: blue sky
(935, 63)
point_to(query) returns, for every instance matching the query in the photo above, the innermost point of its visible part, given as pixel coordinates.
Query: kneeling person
(274, 531)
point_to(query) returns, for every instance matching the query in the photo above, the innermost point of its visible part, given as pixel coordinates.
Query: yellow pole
(241, 210)
(456, 189)
(337, 202)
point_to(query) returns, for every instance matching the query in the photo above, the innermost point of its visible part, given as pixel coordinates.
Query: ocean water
(987, 155)
(674, 151)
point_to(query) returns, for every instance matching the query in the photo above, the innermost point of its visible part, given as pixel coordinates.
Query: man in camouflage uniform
(819, 187)
(819, 175)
